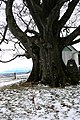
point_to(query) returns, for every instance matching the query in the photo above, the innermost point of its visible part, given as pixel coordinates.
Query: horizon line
(15, 71)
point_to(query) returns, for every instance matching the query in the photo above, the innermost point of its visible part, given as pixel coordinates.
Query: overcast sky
(19, 63)
(77, 46)
(7, 53)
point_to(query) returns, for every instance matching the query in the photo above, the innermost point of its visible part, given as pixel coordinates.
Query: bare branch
(21, 46)
(16, 31)
(69, 39)
(54, 14)
(3, 1)
(69, 27)
(4, 34)
(35, 14)
(74, 42)
(32, 31)
(13, 58)
(68, 13)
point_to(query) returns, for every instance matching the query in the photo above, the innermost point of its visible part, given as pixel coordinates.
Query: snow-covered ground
(40, 103)
(7, 81)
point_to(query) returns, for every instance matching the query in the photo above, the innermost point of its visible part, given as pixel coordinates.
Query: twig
(12, 58)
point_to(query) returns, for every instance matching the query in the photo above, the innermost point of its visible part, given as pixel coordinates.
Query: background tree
(41, 35)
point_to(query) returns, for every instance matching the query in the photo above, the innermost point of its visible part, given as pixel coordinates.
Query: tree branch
(54, 14)
(12, 58)
(3, 1)
(4, 34)
(74, 42)
(16, 31)
(68, 13)
(35, 12)
(32, 31)
(69, 39)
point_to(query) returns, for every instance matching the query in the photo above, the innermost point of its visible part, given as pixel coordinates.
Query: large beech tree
(45, 44)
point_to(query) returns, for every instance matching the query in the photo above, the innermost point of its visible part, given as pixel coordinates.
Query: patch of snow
(10, 80)
(40, 103)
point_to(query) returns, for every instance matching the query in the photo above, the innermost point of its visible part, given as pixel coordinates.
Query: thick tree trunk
(47, 63)
(51, 66)
(48, 66)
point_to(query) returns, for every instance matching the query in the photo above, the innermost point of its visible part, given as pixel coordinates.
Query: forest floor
(39, 103)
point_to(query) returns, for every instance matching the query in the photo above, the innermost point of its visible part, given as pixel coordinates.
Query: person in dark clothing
(73, 71)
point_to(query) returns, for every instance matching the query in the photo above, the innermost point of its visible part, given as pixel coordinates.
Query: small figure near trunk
(14, 75)
(73, 71)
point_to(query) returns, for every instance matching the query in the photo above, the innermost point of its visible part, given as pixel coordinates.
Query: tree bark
(47, 63)
(34, 76)
(51, 64)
